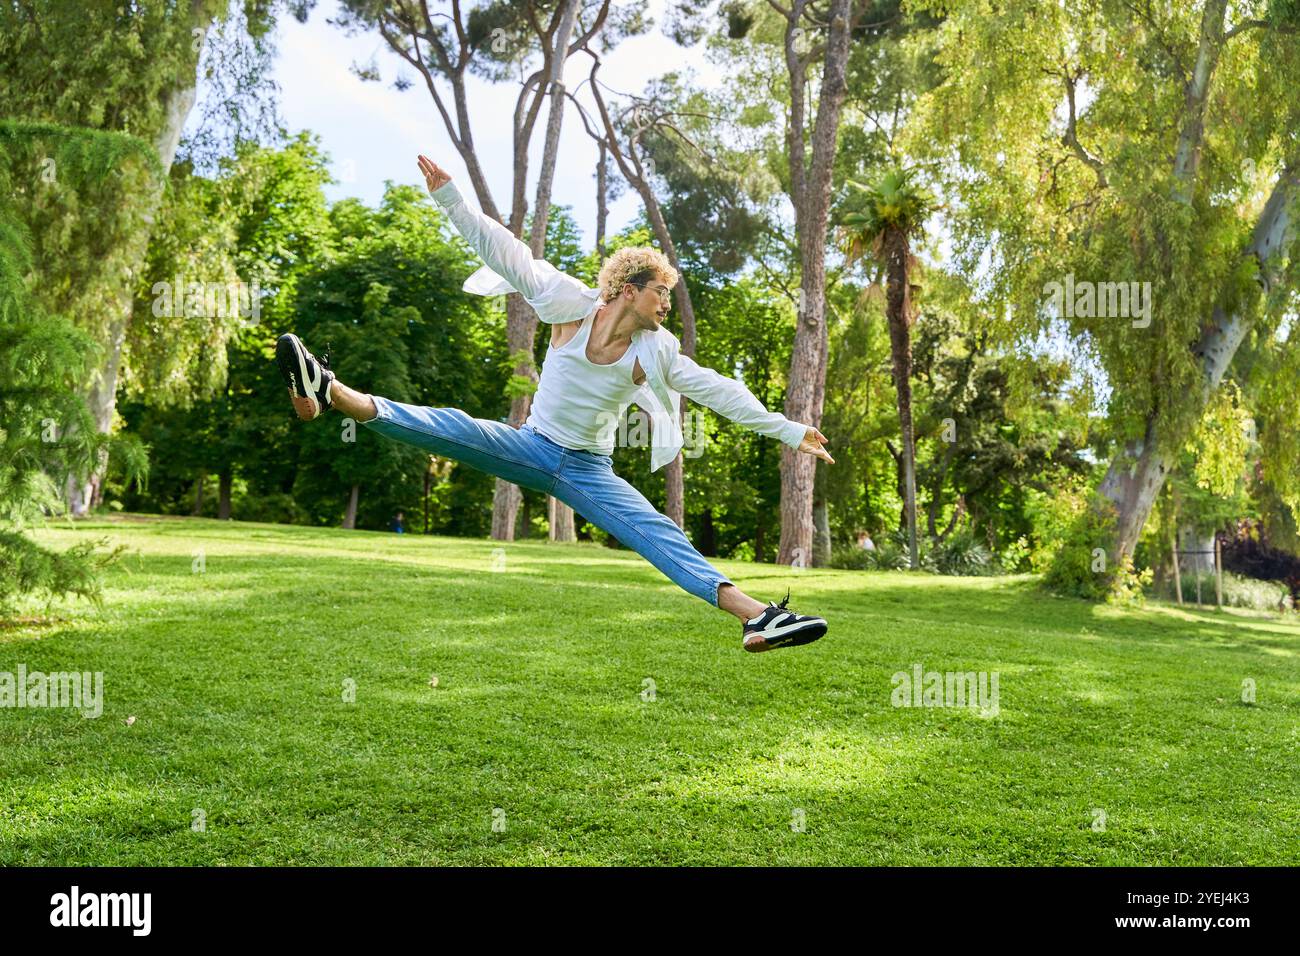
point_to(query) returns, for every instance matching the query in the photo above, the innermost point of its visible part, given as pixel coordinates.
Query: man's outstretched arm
(733, 400)
(504, 253)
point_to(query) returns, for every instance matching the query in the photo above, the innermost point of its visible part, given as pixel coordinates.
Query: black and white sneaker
(778, 626)
(308, 378)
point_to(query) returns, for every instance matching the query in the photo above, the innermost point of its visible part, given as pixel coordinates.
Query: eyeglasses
(665, 293)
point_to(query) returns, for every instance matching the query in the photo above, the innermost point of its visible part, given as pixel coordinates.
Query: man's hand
(433, 174)
(812, 445)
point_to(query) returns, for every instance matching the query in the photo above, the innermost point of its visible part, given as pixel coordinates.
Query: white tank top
(578, 404)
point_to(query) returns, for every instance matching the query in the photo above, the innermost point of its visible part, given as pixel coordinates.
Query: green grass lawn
(539, 715)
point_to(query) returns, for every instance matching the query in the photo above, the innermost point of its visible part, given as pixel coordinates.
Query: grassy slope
(235, 676)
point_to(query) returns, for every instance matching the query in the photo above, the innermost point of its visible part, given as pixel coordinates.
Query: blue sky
(372, 132)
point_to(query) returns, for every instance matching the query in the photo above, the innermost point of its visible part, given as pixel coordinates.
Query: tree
(892, 213)
(807, 35)
(370, 338)
(810, 193)
(624, 141)
(1128, 175)
(127, 68)
(274, 201)
(47, 435)
(887, 66)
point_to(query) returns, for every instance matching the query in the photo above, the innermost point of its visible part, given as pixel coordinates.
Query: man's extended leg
(489, 446)
(587, 483)
(354, 404)
(737, 603)
(360, 406)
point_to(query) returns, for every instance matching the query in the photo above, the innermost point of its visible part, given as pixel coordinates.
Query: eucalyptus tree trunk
(101, 397)
(629, 164)
(1136, 475)
(350, 516)
(810, 192)
(521, 322)
(1187, 156)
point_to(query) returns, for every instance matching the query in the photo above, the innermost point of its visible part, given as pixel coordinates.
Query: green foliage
(962, 554)
(1238, 591)
(255, 226)
(379, 287)
(894, 554)
(388, 303)
(1275, 404)
(77, 194)
(1128, 585)
(46, 432)
(1082, 566)
(1014, 558)
(1079, 528)
(26, 568)
(109, 65)
(998, 431)
(521, 384)
(369, 346)
(743, 331)
(848, 557)
(1221, 442)
(563, 244)
(994, 424)
(712, 190)
(1056, 126)
(895, 202)
(115, 63)
(203, 390)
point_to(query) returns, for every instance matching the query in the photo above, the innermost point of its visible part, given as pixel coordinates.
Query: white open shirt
(557, 297)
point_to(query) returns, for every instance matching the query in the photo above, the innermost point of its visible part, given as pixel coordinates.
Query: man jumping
(608, 349)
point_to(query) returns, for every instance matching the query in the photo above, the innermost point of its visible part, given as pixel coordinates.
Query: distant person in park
(608, 348)
(865, 542)
(398, 524)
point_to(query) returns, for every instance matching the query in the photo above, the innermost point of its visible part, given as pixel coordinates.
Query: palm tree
(881, 226)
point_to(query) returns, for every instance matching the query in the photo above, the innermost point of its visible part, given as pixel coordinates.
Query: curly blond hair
(634, 264)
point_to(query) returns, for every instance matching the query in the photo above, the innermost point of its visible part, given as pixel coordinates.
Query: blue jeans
(582, 480)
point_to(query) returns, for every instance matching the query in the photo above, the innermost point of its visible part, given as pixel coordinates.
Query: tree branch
(1071, 137)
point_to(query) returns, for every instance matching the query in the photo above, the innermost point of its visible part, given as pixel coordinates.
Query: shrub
(891, 554)
(962, 554)
(849, 557)
(1081, 565)
(25, 567)
(1238, 591)
(1016, 556)
(46, 432)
